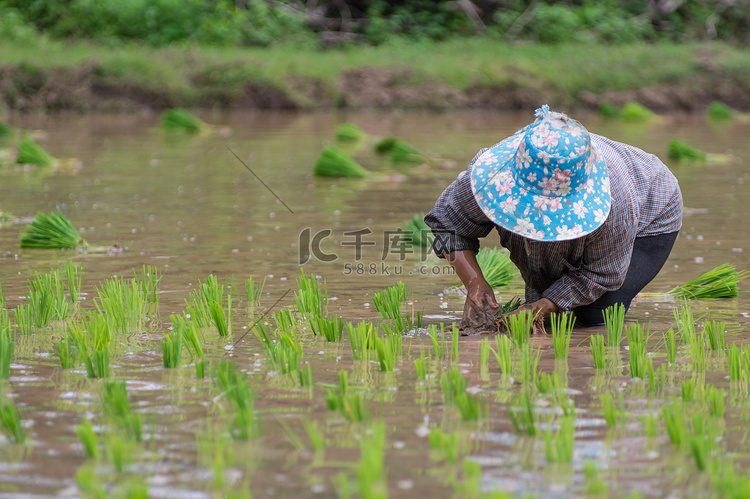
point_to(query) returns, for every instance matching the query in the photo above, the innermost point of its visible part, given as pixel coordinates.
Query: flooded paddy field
(418, 413)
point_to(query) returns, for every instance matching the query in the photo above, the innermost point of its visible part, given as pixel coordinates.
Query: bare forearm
(464, 262)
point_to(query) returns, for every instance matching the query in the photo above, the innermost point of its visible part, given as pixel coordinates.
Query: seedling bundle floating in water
(496, 266)
(29, 153)
(720, 111)
(720, 282)
(417, 232)
(347, 132)
(332, 162)
(678, 149)
(182, 120)
(399, 151)
(52, 231)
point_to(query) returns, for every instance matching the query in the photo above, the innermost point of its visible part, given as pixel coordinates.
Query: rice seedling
(657, 377)
(720, 111)
(30, 153)
(548, 383)
(510, 306)
(637, 348)
(117, 408)
(92, 337)
(370, 470)
(520, 325)
(689, 390)
(348, 132)
(89, 483)
(136, 489)
(399, 151)
(484, 353)
(25, 320)
(362, 338)
(205, 306)
(528, 363)
(417, 232)
(200, 369)
(609, 110)
(331, 329)
(614, 414)
(68, 353)
(10, 422)
(234, 386)
(423, 365)
(632, 111)
(558, 446)
(683, 317)
(52, 231)
(333, 162)
(351, 404)
(522, 415)
(496, 266)
(148, 279)
(47, 298)
(119, 452)
(715, 400)
(388, 303)
(40, 308)
(5, 130)
(562, 330)
(171, 350)
(88, 438)
(719, 282)
(736, 371)
(5, 327)
(122, 303)
(6, 356)
(312, 296)
(595, 484)
(715, 334)
(446, 445)
(452, 384)
(698, 351)
(614, 321)
(253, 293)
(315, 435)
(502, 353)
(388, 347)
(598, 351)
(191, 337)
(181, 120)
(679, 150)
(438, 344)
(455, 351)
(671, 346)
(675, 425)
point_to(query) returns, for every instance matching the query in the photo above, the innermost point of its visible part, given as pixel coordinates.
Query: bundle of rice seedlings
(609, 110)
(399, 151)
(632, 111)
(720, 282)
(417, 232)
(29, 153)
(181, 120)
(347, 132)
(5, 130)
(52, 231)
(385, 145)
(496, 266)
(332, 162)
(678, 149)
(720, 111)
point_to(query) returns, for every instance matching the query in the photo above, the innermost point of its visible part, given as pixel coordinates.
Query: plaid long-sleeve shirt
(646, 201)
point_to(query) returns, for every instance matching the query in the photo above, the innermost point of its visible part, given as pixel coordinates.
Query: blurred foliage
(334, 22)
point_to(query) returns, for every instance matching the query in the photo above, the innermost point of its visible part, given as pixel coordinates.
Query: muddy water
(189, 206)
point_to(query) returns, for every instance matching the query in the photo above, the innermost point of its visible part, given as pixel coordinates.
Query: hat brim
(535, 215)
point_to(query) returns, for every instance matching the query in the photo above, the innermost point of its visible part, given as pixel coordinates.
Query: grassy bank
(457, 74)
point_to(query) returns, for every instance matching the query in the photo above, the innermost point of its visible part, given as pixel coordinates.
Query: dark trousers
(649, 255)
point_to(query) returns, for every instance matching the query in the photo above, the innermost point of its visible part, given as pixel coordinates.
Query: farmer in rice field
(588, 221)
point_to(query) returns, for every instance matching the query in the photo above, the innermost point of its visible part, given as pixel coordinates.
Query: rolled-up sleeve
(456, 220)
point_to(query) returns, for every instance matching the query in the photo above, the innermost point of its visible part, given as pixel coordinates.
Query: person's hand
(541, 309)
(480, 307)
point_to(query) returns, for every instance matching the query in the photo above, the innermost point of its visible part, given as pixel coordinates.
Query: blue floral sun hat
(547, 182)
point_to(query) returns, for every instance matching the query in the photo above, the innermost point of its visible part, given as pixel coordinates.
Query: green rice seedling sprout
(46, 298)
(362, 339)
(315, 435)
(385, 145)
(5, 130)
(455, 351)
(652, 374)
(88, 438)
(735, 358)
(633, 111)
(715, 400)
(637, 348)
(89, 483)
(423, 365)
(547, 383)
(30, 153)
(683, 317)
(181, 120)
(558, 446)
(388, 347)
(200, 369)
(117, 407)
(5, 327)
(438, 344)
(6, 356)
(671, 346)
(446, 445)
(529, 361)
(372, 482)
(388, 303)
(484, 353)
(398, 150)
(119, 452)
(312, 296)
(25, 320)
(68, 353)
(688, 390)
(719, 282)
(10, 422)
(612, 414)
(520, 326)
(331, 329)
(351, 404)
(609, 110)
(522, 415)
(720, 111)
(52, 231)
(234, 386)
(253, 293)
(502, 353)
(470, 406)
(171, 350)
(452, 384)
(698, 351)
(191, 336)
(675, 424)
(333, 162)
(680, 150)
(148, 279)
(496, 266)
(348, 132)
(595, 484)
(614, 321)
(562, 331)
(122, 303)
(510, 306)
(715, 333)
(417, 232)
(599, 351)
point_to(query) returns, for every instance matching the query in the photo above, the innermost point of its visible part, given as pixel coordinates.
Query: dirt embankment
(28, 89)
